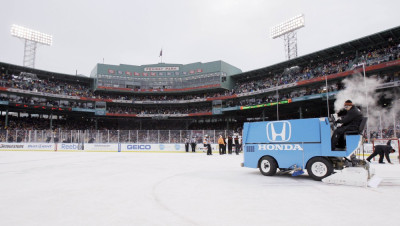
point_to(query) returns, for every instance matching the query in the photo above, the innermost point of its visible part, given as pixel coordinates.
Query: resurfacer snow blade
(374, 182)
(353, 176)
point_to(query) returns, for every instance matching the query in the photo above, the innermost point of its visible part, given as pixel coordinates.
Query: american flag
(161, 53)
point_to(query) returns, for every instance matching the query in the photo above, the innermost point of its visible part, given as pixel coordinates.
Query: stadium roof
(348, 48)
(42, 73)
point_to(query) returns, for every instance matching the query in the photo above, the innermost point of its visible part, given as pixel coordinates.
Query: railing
(109, 136)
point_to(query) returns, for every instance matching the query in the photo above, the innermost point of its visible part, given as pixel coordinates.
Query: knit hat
(348, 103)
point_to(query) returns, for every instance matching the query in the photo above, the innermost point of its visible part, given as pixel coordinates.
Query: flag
(160, 53)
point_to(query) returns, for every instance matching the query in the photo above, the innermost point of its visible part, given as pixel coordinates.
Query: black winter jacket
(352, 119)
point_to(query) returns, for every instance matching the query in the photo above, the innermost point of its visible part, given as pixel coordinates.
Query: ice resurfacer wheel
(268, 166)
(319, 168)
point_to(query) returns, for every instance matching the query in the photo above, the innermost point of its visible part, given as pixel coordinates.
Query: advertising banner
(27, 147)
(70, 146)
(106, 147)
(153, 147)
(102, 147)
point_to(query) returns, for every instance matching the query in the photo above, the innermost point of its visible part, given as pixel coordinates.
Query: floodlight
(32, 35)
(288, 29)
(287, 26)
(31, 38)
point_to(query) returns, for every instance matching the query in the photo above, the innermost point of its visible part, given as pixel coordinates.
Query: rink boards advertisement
(107, 147)
(153, 147)
(27, 147)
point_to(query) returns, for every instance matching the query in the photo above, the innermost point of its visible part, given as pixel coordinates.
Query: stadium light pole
(327, 94)
(277, 103)
(366, 99)
(394, 120)
(31, 39)
(380, 124)
(288, 30)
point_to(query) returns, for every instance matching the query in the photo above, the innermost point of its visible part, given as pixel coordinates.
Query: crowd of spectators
(43, 101)
(235, 126)
(290, 75)
(34, 84)
(37, 123)
(34, 129)
(283, 95)
(318, 69)
(166, 97)
(386, 132)
(109, 131)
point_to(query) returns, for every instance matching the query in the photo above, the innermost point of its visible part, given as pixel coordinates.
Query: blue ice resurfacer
(295, 145)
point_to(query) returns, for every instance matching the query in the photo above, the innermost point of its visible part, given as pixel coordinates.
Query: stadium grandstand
(126, 103)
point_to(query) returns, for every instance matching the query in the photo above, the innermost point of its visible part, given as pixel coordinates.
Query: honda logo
(280, 131)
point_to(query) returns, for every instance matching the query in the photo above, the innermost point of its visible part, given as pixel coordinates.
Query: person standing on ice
(350, 122)
(187, 142)
(207, 143)
(236, 139)
(230, 144)
(382, 150)
(221, 144)
(193, 144)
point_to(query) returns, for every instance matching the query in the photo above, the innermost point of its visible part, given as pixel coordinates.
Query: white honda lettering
(280, 147)
(297, 147)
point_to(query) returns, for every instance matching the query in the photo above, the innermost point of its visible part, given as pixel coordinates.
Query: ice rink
(94, 188)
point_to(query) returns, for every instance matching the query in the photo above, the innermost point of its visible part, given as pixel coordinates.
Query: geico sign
(138, 146)
(280, 147)
(69, 146)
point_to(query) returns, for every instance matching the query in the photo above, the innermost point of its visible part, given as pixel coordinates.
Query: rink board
(111, 147)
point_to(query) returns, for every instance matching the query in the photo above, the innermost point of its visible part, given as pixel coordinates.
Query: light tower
(288, 29)
(31, 38)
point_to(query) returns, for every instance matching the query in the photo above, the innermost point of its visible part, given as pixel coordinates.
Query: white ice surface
(55, 188)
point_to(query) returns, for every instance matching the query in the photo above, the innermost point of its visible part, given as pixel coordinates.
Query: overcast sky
(133, 32)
